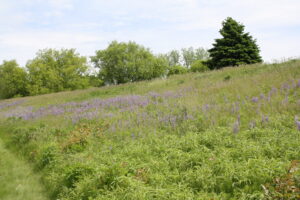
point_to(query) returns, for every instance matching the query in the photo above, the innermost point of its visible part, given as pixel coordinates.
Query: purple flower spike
(298, 83)
(264, 119)
(298, 125)
(236, 127)
(262, 96)
(255, 99)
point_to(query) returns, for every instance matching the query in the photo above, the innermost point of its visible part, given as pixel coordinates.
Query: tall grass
(17, 181)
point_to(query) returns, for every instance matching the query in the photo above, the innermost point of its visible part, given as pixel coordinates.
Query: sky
(27, 26)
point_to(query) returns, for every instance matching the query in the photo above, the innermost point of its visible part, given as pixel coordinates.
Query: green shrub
(47, 156)
(199, 66)
(22, 136)
(177, 70)
(75, 173)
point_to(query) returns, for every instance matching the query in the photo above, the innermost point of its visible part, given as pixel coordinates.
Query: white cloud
(23, 46)
(29, 25)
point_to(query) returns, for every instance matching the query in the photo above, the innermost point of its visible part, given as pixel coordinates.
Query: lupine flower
(298, 83)
(254, 99)
(205, 108)
(273, 91)
(297, 122)
(285, 86)
(264, 119)
(235, 127)
(298, 125)
(10, 104)
(262, 96)
(286, 99)
(239, 119)
(269, 97)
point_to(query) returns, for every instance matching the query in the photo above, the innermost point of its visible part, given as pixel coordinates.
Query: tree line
(59, 70)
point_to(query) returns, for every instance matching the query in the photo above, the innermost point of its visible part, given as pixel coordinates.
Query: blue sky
(161, 25)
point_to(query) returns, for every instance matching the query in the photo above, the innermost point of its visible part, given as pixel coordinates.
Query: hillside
(226, 134)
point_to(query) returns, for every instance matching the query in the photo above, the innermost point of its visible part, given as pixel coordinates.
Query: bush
(47, 156)
(177, 70)
(75, 173)
(199, 66)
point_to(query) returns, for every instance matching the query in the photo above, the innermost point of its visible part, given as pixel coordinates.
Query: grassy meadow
(232, 133)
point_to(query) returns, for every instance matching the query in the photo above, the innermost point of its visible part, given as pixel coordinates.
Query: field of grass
(227, 134)
(17, 181)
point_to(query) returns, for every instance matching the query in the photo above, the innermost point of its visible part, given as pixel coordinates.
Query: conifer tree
(235, 48)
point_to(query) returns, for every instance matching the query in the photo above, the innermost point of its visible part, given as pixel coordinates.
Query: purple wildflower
(205, 107)
(269, 98)
(236, 127)
(239, 119)
(286, 99)
(10, 104)
(262, 96)
(254, 99)
(285, 86)
(298, 83)
(298, 125)
(297, 122)
(264, 119)
(273, 91)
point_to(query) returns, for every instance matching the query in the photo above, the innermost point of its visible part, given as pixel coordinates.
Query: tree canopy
(13, 81)
(56, 70)
(235, 47)
(127, 62)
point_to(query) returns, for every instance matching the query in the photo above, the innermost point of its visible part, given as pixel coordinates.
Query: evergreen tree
(235, 48)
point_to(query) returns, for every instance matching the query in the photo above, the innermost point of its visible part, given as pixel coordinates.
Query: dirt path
(17, 181)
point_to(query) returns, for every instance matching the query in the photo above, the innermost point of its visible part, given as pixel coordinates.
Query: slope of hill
(227, 134)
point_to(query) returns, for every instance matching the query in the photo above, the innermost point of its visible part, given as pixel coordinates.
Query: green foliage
(22, 136)
(190, 55)
(177, 69)
(128, 62)
(76, 172)
(53, 71)
(95, 81)
(235, 48)
(201, 54)
(199, 66)
(227, 78)
(17, 180)
(173, 58)
(178, 143)
(13, 80)
(47, 156)
(186, 56)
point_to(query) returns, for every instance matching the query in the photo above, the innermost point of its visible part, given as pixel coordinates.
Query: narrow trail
(17, 180)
